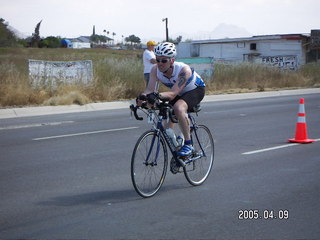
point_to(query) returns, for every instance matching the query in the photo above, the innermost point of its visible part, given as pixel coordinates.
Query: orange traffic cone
(301, 126)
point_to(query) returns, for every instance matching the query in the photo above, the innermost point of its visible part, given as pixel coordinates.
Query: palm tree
(107, 32)
(113, 34)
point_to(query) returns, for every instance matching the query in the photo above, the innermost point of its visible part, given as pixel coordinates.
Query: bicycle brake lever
(134, 110)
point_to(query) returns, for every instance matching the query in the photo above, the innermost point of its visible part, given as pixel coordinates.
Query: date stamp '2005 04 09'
(255, 214)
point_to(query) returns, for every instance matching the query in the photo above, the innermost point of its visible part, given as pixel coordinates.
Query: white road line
(84, 133)
(35, 125)
(274, 148)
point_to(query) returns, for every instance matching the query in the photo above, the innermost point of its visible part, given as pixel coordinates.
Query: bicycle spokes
(149, 164)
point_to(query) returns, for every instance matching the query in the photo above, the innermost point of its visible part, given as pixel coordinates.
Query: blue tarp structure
(66, 43)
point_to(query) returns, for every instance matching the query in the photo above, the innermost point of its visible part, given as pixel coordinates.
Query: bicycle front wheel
(149, 164)
(197, 171)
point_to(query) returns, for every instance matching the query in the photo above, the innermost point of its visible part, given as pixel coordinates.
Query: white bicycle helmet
(165, 49)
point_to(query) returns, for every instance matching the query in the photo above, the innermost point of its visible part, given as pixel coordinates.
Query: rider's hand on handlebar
(141, 99)
(152, 98)
(147, 100)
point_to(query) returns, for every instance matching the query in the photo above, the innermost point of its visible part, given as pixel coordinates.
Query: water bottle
(180, 140)
(172, 136)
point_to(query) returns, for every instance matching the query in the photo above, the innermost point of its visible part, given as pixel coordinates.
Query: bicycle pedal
(181, 161)
(186, 158)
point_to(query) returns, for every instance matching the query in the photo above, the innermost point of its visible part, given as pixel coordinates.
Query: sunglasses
(165, 60)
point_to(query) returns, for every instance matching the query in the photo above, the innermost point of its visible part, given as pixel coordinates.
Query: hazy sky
(196, 19)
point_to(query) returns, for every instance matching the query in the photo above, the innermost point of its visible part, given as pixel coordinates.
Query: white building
(81, 45)
(81, 42)
(288, 51)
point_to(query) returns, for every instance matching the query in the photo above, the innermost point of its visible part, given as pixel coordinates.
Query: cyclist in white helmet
(186, 88)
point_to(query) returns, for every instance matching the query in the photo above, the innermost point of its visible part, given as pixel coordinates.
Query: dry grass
(119, 75)
(67, 95)
(248, 77)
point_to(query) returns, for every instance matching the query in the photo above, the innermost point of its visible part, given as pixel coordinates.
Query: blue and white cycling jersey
(193, 82)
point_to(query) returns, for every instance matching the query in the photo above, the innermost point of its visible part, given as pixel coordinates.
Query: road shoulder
(47, 110)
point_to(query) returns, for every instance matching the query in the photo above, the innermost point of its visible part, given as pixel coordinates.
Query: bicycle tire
(197, 171)
(148, 177)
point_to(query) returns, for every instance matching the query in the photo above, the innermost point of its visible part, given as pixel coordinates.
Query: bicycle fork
(154, 162)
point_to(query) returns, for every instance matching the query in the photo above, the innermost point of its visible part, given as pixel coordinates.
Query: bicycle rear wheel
(197, 171)
(149, 164)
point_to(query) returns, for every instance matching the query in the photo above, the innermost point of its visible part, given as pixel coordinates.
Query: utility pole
(167, 31)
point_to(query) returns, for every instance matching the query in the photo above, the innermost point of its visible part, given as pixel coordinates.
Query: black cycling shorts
(192, 98)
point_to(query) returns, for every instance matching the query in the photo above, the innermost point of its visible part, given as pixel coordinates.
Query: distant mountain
(224, 30)
(221, 31)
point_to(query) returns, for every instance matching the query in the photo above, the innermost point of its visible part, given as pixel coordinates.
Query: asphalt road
(67, 176)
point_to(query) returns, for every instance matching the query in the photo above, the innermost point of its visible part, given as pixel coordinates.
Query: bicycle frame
(193, 125)
(149, 159)
(160, 130)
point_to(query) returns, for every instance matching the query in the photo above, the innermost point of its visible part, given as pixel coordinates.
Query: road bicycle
(149, 159)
